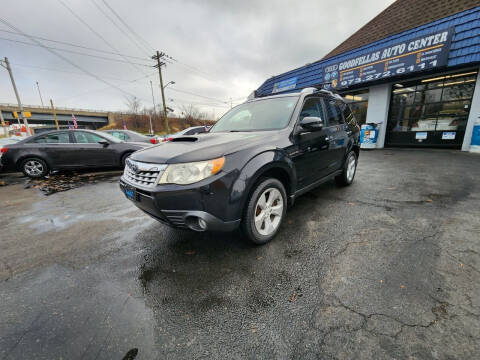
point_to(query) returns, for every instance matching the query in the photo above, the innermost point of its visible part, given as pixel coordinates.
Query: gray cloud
(225, 49)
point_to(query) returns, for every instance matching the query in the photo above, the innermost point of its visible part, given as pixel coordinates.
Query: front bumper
(181, 208)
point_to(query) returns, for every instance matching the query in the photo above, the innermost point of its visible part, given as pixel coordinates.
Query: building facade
(411, 72)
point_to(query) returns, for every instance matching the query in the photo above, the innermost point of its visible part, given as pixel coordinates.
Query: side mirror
(105, 143)
(311, 123)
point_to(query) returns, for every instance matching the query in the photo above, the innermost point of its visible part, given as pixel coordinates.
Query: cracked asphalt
(388, 268)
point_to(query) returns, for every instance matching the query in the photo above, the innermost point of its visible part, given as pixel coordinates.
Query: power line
(72, 72)
(65, 58)
(202, 96)
(147, 46)
(71, 51)
(75, 45)
(96, 33)
(119, 28)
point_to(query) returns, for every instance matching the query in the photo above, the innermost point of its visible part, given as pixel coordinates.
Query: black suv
(253, 162)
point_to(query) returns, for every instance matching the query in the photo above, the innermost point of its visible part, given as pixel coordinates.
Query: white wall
(377, 111)
(473, 117)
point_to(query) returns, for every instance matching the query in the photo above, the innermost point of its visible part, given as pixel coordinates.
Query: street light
(169, 83)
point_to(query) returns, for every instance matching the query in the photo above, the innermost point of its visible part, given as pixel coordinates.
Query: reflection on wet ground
(387, 268)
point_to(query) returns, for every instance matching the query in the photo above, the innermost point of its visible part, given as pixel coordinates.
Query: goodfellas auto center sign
(422, 53)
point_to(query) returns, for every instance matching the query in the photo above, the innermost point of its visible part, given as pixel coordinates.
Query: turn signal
(217, 165)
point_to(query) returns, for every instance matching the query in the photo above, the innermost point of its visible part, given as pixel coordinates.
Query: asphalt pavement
(388, 268)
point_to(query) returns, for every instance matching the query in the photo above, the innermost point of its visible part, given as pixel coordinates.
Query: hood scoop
(184, 139)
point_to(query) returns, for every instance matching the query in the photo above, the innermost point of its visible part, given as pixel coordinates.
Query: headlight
(189, 173)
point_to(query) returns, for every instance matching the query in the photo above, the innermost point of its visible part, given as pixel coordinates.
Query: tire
(124, 159)
(34, 167)
(349, 170)
(269, 219)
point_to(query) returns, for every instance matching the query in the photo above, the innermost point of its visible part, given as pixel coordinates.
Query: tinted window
(348, 115)
(57, 138)
(334, 116)
(311, 107)
(87, 138)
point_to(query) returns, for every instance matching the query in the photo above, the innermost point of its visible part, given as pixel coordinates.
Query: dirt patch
(64, 181)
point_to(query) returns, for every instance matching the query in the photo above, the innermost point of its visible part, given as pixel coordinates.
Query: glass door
(430, 112)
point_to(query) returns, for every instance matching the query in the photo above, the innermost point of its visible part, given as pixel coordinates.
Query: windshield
(268, 114)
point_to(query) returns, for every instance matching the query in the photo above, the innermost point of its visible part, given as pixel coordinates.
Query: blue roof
(464, 49)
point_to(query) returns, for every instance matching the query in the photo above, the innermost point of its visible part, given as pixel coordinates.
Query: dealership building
(411, 72)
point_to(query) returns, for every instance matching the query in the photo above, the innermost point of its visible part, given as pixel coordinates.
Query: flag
(75, 125)
(124, 125)
(70, 126)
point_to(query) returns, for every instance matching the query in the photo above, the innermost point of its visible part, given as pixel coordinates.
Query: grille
(144, 174)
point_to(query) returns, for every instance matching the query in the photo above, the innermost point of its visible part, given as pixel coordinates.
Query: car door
(310, 150)
(336, 131)
(57, 147)
(90, 152)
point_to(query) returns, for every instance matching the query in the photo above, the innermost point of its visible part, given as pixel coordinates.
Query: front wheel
(349, 170)
(265, 211)
(34, 168)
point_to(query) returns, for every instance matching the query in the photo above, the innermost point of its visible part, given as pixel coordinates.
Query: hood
(202, 147)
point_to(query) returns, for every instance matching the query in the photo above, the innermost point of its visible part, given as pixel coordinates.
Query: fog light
(202, 224)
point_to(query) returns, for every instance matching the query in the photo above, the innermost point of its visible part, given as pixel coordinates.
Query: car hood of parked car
(203, 146)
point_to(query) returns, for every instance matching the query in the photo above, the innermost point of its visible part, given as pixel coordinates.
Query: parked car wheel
(349, 170)
(265, 211)
(34, 167)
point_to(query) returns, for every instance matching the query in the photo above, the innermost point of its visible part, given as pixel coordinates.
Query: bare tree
(191, 112)
(134, 104)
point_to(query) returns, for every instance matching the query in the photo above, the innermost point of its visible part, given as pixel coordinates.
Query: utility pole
(39, 93)
(54, 114)
(159, 65)
(2, 120)
(20, 107)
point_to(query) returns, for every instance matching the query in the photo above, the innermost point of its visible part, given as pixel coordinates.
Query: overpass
(43, 116)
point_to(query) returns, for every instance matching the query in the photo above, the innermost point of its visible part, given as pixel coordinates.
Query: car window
(119, 135)
(57, 138)
(87, 138)
(334, 115)
(348, 115)
(311, 107)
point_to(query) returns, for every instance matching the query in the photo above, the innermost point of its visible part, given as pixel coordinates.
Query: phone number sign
(422, 53)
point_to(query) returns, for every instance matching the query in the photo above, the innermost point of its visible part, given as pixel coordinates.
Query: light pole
(169, 83)
(40, 93)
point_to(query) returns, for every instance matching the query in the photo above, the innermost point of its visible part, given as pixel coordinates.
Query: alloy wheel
(351, 166)
(33, 168)
(268, 211)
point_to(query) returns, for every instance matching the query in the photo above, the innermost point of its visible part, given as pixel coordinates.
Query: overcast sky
(224, 49)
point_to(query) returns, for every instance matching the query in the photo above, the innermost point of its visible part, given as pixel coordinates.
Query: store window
(358, 102)
(439, 103)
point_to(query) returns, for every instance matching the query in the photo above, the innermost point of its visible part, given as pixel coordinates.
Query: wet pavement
(387, 268)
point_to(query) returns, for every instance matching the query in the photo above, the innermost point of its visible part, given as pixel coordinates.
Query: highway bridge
(89, 119)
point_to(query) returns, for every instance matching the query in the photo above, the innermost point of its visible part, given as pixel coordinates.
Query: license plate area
(130, 193)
